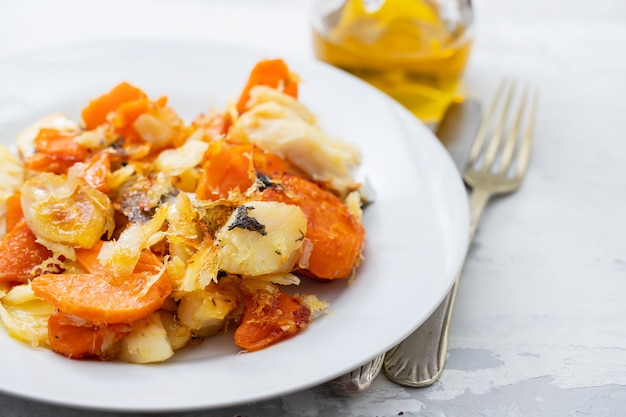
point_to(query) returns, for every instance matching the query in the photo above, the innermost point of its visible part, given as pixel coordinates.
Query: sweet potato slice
(60, 143)
(77, 339)
(102, 298)
(272, 73)
(268, 319)
(14, 211)
(128, 112)
(20, 253)
(96, 112)
(97, 172)
(57, 151)
(227, 167)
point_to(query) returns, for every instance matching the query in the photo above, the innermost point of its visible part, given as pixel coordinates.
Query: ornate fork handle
(358, 380)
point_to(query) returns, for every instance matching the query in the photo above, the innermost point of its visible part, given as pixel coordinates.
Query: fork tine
(511, 140)
(496, 138)
(526, 145)
(479, 139)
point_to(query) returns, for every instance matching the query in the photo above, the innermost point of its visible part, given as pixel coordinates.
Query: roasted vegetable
(133, 234)
(64, 210)
(270, 318)
(147, 342)
(273, 73)
(284, 127)
(100, 297)
(335, 233)
(11, 178)
(77, 338)
(261, 238)
(25, 315)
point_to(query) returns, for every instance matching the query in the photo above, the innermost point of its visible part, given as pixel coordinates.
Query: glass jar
(414, 50)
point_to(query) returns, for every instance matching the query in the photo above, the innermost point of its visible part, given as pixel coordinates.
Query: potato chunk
(147, 343)
(177, 333)
(25, 315)
(205, 311)
(261, 238)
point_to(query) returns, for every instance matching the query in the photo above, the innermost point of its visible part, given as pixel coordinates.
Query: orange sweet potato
(227, 167)
(337, 236)
(102, 298)
(128, 112)
(20, 253)
(77, 339)
(97, 172)
(56, 152)
(268, 319)
(44, 162)
(60, 143)
(272, 73)
(88, 259)
(14, 211)
(96, 112)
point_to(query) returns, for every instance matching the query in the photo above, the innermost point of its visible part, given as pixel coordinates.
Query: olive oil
(404, 47)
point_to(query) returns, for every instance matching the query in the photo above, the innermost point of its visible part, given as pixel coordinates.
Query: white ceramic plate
(416, 229)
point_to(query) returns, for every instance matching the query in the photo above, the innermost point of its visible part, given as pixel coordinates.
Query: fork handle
(418, 360)
(478, 200)
(359, 380)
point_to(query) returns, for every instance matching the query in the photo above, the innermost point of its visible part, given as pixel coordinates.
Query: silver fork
(494, 167)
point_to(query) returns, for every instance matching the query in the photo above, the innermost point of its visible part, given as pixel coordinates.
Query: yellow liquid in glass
(403, 48)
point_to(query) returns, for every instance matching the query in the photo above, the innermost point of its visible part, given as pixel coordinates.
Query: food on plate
(133, 233)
